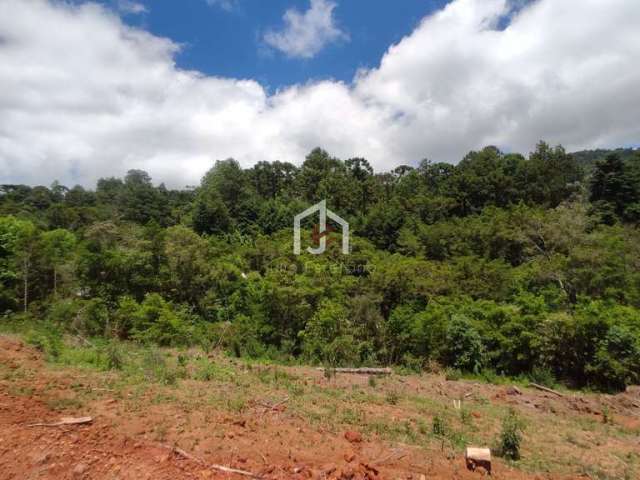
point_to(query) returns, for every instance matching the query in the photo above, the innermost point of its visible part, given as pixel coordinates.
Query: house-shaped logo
(322, 229)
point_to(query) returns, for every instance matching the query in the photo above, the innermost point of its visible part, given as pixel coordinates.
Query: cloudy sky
(92, 89)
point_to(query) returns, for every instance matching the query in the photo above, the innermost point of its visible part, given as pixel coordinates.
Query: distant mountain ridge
(588, 158)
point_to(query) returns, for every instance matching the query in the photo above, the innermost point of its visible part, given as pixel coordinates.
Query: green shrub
(452, 374)
(156, 368)
(463, 348)
(113, 356)
(157, 321)
(511, 436)
(439, 426)
(392, 397)
(616, 363)
(325, 340)
(412, 363)
(206, 370)
(47, 339)
(543, 376)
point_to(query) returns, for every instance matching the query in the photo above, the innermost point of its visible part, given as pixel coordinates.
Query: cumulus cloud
(129, 6)
(304, 35)
(90, 96)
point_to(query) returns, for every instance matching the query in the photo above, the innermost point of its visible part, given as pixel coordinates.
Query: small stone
(42, 459)
(513, 390)
(79, 470)
(352, 436)
(347, 473)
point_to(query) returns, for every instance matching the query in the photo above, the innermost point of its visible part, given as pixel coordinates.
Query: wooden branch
(395, 456)
(275, 405)
(64, 421)
(362, 371)
(211, 466)
(545, 389)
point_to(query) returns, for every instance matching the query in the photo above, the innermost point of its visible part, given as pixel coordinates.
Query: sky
(93, 89)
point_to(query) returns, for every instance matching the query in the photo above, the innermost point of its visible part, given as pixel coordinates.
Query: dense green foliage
(502, 264)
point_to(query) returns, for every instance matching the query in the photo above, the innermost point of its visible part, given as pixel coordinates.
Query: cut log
(64, 421)
(545, 389)
(362, 371)
(478, 457)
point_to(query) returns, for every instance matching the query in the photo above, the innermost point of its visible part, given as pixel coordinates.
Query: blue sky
(226, 39)
(171, 86)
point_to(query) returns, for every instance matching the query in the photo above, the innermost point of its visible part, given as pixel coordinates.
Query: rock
(352, 436)
(79, 470)
(347, 473)
(328, 469)
(163, 458)
(513, 390)
(42, 459)
(633, 390)
(478, 457)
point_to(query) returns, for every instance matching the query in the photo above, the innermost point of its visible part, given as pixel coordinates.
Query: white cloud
(91, 97)
(304, 35)
(227, 5)
(131, 7)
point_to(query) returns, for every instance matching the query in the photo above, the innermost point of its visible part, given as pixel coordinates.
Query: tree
(210, 214)
(58, 246)
(360, 170)
(272, 179)
(140, 201)
(108, 190)
(18, 239)
(317, 167)
(463, 347)
(187, 265)
(550, 176)
(382, 225)
(225, 199)
(612, 189)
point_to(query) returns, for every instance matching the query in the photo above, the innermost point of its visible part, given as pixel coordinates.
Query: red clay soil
(101, 451)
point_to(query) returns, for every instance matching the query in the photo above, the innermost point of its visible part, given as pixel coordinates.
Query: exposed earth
(300, 425)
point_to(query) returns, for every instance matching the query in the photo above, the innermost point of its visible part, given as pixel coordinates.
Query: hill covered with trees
(502, 264)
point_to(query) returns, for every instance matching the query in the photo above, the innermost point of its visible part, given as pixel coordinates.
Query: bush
(89, 318)
(439, 426)
(617, 361)
(157, 321)
(412, 363)
(511, 436)
(156, 368)
(452, 374)
(463, 347)
(47, 339)
(325, 340)
(113, 357)
(543, 376)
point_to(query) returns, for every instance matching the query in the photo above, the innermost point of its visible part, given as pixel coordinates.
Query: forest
(504, 264)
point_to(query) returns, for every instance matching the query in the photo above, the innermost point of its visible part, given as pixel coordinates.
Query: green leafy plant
(439, 426)
(511, 436)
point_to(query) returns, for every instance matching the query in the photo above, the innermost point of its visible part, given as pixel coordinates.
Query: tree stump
(478, 457)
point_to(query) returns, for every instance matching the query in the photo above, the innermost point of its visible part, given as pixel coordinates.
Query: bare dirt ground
(293, 423)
